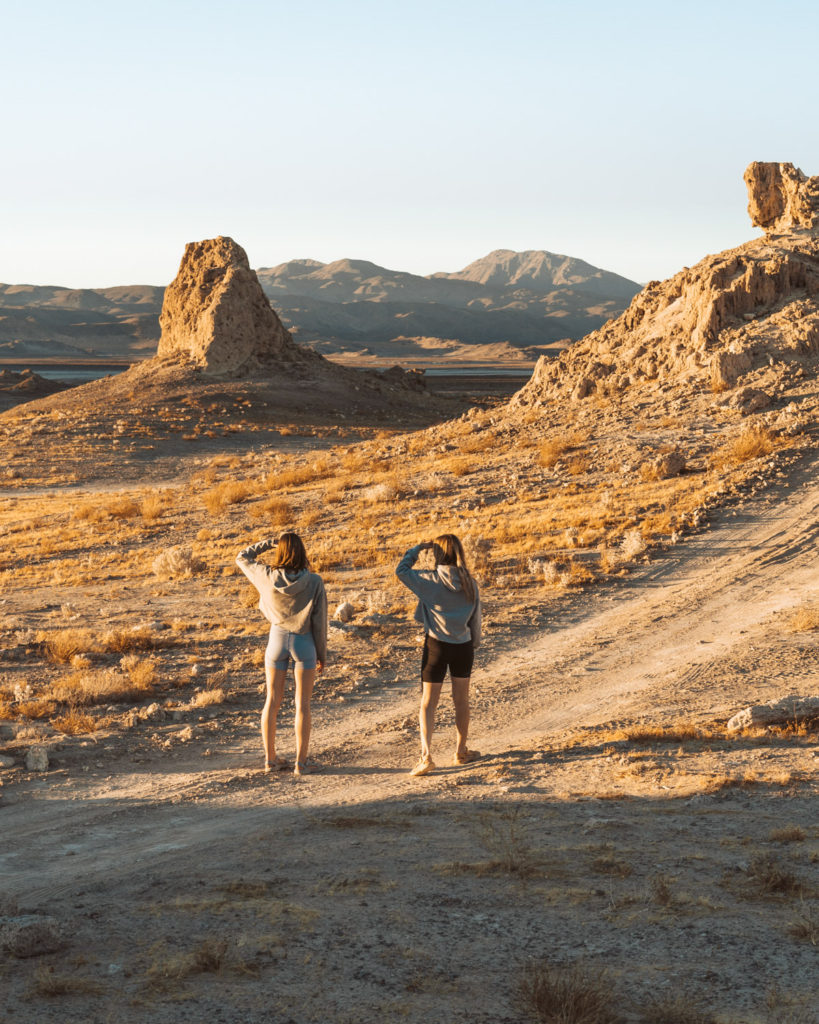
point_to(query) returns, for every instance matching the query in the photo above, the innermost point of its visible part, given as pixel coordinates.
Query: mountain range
(507, 304)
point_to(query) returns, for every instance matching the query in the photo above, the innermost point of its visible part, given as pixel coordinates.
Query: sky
(418, 135)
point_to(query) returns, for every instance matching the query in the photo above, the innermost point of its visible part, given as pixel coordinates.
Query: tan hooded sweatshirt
(294, 601)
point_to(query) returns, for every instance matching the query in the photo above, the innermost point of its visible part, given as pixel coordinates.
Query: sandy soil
(192, 887)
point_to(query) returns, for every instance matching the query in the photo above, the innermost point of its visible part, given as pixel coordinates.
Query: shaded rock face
(714, 323)
(215, 314)
(781, 197)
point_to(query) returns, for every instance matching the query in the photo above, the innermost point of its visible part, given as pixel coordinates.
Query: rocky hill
(747, 316)
(508, 300)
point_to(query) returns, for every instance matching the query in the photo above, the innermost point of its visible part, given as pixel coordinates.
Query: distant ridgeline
(525, 300)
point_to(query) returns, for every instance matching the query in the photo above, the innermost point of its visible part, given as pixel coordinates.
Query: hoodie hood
(288, 582)
(450, 576)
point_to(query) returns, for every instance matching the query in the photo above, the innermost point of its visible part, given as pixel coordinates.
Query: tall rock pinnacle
(216, 316)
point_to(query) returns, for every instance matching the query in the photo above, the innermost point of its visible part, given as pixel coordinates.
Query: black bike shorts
(439, 656)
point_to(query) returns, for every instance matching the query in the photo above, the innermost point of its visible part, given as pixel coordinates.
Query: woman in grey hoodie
(294, 602)
(449, 608)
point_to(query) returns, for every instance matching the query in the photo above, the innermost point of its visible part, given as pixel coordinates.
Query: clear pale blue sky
(419, 135)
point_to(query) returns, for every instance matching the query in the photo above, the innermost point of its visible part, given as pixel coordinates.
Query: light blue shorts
(283, 646)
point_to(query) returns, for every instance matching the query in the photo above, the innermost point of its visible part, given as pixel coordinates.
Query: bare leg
(305, 677)
(429, 705)
(460, 698)
(275, 678)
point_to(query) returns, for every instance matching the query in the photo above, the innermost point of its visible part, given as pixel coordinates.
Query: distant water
(75, 376)
(82, 374)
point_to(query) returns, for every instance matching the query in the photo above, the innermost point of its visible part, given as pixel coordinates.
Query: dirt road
(694, 635)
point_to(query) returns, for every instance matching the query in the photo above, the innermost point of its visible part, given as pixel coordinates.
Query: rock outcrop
(781, 197)
(713, 324)
(215, 315)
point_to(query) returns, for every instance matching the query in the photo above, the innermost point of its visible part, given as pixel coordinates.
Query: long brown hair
(290, 553)
(448, 550)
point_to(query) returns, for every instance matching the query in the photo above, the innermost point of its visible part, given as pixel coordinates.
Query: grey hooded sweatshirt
(444, 610)
(293, 601)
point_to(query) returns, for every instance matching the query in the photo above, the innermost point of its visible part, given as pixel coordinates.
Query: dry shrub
(293, 477)
(207, 958)
(551, 452)
(74, 723)
(231, 492)
(141, 671)
(460, 466)
(47, 982)
(788, 834)
(61, 647)
(649, 734)
(430, 483)
(770, 878)
(275, 510)
(577, 994)
(121, 507)
(678, 1008)
(35, 709)
(152, 507)
(121, 641)
(207, 698)
(755, 441)
(479, 442)
(805, 926)
(176, 562)
(336, 493)
(381, 492)
(578, 465)
(804, 619)
(103, 686)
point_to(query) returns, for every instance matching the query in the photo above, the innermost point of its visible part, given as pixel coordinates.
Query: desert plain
(642, 520)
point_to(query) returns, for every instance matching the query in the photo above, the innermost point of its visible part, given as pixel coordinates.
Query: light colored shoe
(306, 767)
(467, 757)
(424, 767)
(278, 764)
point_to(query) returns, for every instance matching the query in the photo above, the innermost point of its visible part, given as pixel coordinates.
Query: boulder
(37, 758)
(215, 315)
(726, 367)
(668, 464)
(781, 197)
(787, 711)
(344, 612)
(750, 400)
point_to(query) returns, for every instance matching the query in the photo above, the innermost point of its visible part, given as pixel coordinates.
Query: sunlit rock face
(781, 197)
(216, 316)
(717, 323)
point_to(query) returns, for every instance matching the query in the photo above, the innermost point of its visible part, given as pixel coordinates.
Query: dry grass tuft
(48, 983)
(275, 511)
(578, 994)
(767, 877)
(677, 1009)
(805, 926)
(804, 619)
(788, 834)
(230, 492)
(66, 644)
(754, 442)
(75, 723)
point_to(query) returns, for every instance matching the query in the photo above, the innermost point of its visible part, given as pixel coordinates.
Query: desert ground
(617, 849)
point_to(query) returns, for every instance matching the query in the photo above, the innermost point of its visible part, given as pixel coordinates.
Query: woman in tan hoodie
(294, 602)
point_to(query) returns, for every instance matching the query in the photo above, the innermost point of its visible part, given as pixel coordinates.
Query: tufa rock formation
(781, 197)
(215, 315)
(714, 324)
